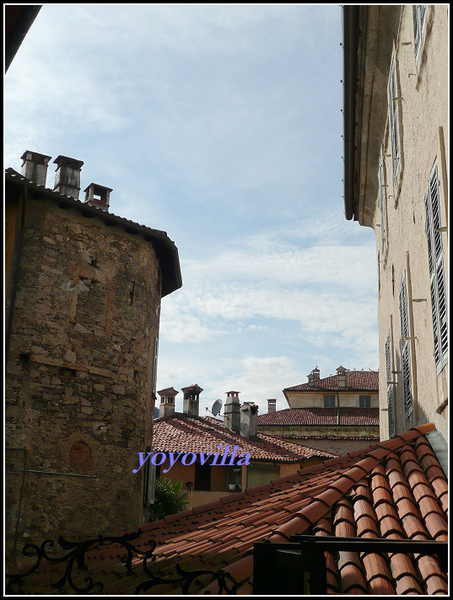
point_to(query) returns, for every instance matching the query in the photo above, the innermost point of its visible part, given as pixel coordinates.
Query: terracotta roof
(321, 416)
(393, 490)
(180, 433)
(355, 380)
(166, 250)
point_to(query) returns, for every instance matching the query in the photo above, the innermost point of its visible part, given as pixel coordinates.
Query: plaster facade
(401, 112)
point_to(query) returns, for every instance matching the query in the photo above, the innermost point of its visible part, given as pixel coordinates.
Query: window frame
(390, 384)
(408, 399)
(395, 129)
(436, 266)
(328, 399)
(419, 21)
(364, 401)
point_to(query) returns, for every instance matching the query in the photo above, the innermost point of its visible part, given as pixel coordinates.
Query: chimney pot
(231, 411)
(248, 420)
(167, 401)
(191, 400)
(271, 405)
(67, 176)
(34, 167)
(98, 196)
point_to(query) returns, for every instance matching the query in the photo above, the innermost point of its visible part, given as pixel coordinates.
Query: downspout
(350, 19)
(16, 533)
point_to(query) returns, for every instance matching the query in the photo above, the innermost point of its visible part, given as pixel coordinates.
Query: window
(390, 385)
(393, 103)
(436, 269)
(405, 350)
(364, 401)
(418, 14)
(202, 477)
(329, 401)
(383, 203)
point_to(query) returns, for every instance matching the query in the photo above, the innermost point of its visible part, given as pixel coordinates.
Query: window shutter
(383, 202)
(436, 261)
(390, 384)
(405, 350)
(149, 480)
(393, 119)
(418, 15)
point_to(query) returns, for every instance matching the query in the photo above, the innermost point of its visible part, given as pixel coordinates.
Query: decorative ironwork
(75, 567)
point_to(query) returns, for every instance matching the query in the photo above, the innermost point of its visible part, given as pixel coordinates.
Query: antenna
(216, 408)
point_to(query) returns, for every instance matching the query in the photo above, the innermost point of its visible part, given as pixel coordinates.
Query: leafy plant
(168, 499)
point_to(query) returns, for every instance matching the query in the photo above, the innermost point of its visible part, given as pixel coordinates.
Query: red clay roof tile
(356, 497)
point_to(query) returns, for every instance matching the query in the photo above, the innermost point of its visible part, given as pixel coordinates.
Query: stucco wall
(423, 110)
(316, 400)
(79, 375)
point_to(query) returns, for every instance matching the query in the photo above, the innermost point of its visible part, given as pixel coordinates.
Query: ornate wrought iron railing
(75, 577)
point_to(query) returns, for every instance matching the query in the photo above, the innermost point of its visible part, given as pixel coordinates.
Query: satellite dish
(216, 407)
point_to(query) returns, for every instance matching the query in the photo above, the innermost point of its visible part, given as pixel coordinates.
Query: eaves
(165, 248)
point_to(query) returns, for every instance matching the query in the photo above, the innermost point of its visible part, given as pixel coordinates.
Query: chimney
(191, 400)
(314, 376)
(67, 176)
(232, 418)
(248, 422)
(341, 377)
(34, 167)
(167, 401)
(98, 196)
(271, 405)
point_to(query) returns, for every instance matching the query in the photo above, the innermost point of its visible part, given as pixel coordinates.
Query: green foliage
(168, 499)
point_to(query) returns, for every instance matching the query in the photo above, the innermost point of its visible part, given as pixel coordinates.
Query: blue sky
(221, 125)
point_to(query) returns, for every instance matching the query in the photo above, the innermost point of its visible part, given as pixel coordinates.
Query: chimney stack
(314, 376)
(34, 167)
(271, 405)
(167, 401)
(341, 376)
(248, 422)
(98, 196)
(67, 176)
(232, 418)
(191, 400)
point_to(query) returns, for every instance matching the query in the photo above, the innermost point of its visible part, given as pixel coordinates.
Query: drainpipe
(350, 22)
(16, 533)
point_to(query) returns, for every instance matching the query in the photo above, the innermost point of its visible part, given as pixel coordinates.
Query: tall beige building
(396, 181)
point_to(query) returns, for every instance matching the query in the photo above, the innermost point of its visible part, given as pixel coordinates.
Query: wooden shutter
(436, 261)
(405, 349)
(390, 385)
(393, 120)
(383, 203)
(418, 15)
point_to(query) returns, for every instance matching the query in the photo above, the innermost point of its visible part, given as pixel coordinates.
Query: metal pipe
(55, 473)
(16, 533)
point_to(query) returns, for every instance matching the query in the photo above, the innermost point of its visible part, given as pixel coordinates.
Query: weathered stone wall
(79, 387)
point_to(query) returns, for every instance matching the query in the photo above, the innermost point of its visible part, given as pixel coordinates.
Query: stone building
(338, 413)
(83, 294)
(396, 123)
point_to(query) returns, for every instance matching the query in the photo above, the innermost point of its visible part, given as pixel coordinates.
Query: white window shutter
(436, 261)
(390, 385)
(405, 350)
